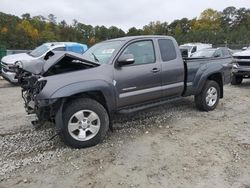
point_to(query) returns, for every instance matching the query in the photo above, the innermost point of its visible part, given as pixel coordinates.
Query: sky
(123, 14)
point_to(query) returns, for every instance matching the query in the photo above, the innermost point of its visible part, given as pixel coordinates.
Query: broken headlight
(16, 67)
(235, 67)
(19, 64)
(39, 86)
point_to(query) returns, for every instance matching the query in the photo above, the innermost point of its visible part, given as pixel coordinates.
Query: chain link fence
(3, 52)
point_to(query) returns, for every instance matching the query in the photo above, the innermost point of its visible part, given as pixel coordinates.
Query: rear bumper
(10, 76)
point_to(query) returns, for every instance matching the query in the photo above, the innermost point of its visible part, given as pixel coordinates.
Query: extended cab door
(140, 81)
(172, 65)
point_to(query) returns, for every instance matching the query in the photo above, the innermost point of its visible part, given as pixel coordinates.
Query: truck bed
(194, 68)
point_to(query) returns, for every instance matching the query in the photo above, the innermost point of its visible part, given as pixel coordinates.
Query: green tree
(26, 16)
(133, 32)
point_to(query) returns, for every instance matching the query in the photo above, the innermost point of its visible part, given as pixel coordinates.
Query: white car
(194, 47)
(8, 61)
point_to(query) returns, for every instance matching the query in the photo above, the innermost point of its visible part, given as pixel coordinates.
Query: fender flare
(202, 76)
(87, 86)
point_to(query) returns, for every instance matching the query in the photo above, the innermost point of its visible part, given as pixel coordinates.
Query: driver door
(140, 81)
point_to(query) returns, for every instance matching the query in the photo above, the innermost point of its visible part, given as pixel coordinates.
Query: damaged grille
(244, 63)
(4, 66)
(243, 60)
(31, 86)
(29, 92)
(7, 68)
(242, 57)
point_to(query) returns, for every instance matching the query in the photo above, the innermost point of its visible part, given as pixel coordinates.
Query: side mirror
(126, 59)
(48, 55)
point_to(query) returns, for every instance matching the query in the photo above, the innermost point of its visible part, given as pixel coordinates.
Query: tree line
(230, 26)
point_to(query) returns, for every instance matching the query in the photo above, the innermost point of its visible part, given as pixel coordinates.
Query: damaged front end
(33, 76)
(31, 86)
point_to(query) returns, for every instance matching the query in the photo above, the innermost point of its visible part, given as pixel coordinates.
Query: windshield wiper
(96, 59)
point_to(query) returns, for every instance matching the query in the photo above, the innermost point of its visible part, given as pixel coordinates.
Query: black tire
(236, 80)
(84, 104)
(200, 99)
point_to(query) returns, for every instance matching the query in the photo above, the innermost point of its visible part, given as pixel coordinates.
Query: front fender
(85, 86)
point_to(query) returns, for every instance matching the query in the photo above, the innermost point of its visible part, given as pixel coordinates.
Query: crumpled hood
(243, 53)
(33, 66)
(11, 59)
(40, 66)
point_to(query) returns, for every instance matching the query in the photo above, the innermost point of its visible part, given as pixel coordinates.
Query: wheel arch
(94, 94)
(217, 77)
(214, 76)
(100, 91)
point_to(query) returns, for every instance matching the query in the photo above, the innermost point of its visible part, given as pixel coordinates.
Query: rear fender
(212, 73)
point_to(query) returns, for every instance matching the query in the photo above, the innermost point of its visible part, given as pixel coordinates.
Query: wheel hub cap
(212, 96)
(84, 125)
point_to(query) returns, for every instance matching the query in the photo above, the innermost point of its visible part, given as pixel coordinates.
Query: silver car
(39, 52)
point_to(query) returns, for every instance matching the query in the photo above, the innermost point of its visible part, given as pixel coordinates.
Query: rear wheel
(85, 123)
(236, 80)
(209, 97)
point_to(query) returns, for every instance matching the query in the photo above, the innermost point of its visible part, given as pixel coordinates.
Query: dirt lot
(170, 146)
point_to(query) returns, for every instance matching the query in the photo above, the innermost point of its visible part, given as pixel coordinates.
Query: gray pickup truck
(81, 93)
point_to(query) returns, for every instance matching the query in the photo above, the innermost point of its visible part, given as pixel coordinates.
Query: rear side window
(167, 49)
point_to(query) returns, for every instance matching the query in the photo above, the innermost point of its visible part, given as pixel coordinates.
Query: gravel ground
(169, 146)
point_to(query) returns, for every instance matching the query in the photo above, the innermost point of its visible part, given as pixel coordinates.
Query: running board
(146, 106)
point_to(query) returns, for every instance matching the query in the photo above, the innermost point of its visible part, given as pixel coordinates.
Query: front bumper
(32, 117)
(42, 110)
(242, 71)
(9, 76)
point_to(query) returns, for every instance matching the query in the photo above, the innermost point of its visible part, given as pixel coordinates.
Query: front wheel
(85, 123)
(209, 97)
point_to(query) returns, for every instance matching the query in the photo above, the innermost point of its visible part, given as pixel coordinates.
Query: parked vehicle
(241, 69)
(212, 53)
(245, 48)
(194, 47)
(36, 54)
(124, 75)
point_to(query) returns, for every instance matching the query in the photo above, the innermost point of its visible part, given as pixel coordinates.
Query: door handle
(155, 70)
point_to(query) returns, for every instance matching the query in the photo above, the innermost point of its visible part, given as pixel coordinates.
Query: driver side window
(218, 53)
(143, 52)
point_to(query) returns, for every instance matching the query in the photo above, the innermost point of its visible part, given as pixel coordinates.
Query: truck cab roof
(129, 38)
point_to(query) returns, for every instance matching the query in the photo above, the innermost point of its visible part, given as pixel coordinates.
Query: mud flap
(59, 118)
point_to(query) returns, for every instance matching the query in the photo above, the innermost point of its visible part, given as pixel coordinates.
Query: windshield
(186, 48)
(204, 53)
(102, 52)
(40, 50)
